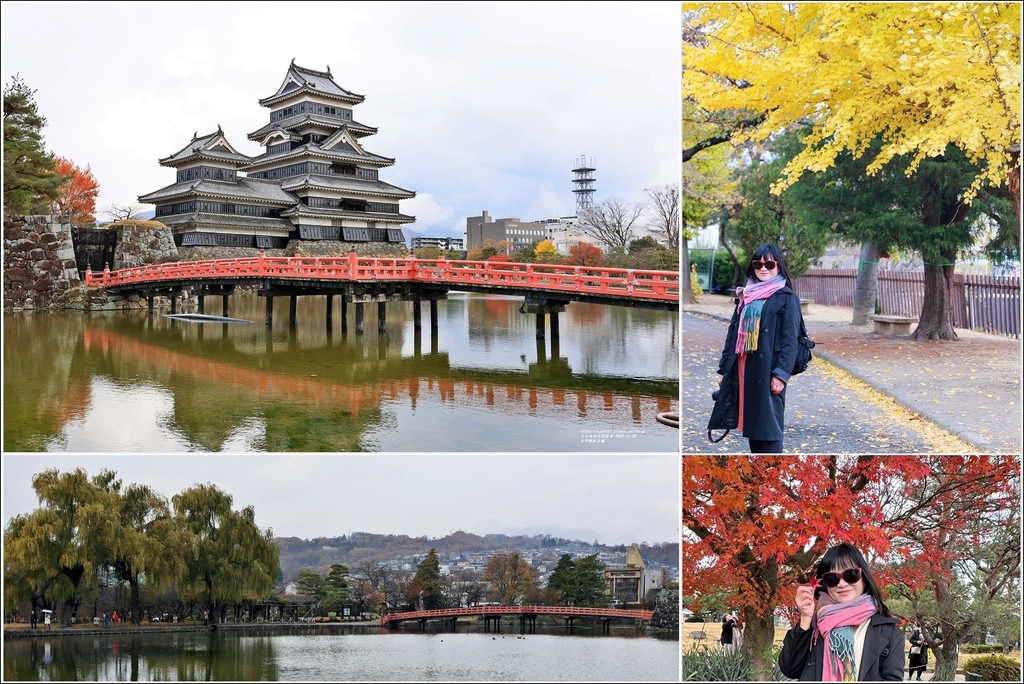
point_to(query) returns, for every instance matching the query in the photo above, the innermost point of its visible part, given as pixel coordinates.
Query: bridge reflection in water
(480, 382)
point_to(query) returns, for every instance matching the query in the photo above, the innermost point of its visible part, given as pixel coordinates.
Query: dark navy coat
(775, 355)
(881, 660)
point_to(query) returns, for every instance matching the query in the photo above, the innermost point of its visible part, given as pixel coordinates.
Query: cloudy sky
(616, 499)
(485, 106)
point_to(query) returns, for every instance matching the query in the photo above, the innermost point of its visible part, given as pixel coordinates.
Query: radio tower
(584, 182)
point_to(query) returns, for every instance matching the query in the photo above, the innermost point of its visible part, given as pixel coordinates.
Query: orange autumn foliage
(77, 199)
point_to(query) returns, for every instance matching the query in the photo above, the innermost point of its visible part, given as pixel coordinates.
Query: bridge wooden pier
(546, 289)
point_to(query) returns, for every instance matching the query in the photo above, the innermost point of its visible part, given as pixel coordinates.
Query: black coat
(775, 355)
(881, 660)
(917, 661)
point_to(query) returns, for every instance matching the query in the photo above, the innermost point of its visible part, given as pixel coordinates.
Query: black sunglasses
(768, 265)
(850, 576)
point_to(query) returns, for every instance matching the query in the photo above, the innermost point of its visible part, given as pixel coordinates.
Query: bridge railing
(632, 614)
(616, 282)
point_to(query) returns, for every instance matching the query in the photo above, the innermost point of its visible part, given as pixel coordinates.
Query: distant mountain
(321, 552)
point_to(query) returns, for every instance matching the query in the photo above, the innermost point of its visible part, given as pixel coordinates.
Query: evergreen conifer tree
(30, 182)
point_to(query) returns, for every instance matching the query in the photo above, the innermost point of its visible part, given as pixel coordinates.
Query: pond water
(479, 381)
(355, 655)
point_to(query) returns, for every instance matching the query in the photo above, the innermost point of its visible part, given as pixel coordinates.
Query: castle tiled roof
(324, 212)
(315, 150)
(253, 189)
(348, 184)
(302, 79)
(247, 223)
(213, 146)
(285, 125)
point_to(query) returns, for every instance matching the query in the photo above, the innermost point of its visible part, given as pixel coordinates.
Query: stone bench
(893, 325)
(698, 635)
(805, 305)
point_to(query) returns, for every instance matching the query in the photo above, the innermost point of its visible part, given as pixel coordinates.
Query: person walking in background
(728, 623)
(106, 620)
(759, 354)
(34, 618)
(918, 660)
(115, 618)
(845, 631)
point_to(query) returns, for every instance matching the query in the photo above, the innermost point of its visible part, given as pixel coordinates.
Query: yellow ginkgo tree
(904, 80)
(920, 75)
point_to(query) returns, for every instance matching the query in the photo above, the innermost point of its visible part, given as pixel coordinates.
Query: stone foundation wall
(141, 243)
(39, 265)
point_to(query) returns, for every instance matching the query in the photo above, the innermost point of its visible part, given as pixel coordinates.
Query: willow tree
(50, 552)
(228, 558)
(145, 544)
(919, 77)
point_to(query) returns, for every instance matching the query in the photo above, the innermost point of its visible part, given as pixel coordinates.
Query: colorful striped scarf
(835, 623)
(752, 301)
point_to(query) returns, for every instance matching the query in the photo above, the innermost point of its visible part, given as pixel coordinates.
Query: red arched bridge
(527, 615)
(546, 288)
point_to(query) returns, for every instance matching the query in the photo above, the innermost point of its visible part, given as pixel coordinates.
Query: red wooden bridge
(628, 287)
(497, 611)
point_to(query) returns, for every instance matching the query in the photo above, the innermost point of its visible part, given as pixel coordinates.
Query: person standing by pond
(34, 618)
(850, 635)
(759, 354)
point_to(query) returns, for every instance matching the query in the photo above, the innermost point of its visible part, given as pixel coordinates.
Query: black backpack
(804, 345)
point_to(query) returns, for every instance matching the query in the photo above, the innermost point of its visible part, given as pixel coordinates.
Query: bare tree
(665, 203)
(121, 212)
(611, 222)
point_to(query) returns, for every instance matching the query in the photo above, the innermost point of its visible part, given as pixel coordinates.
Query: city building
(442, 242)
(630, 584)
(314, 182)
(480, 229)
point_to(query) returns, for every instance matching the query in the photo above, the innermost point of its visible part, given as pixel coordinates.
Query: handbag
(804, 345)
(915, 650)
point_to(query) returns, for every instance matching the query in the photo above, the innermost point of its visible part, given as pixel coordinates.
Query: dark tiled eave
(358, 130)
(343, 184)
(204, 219)
(321, 212)
(264, 162)
(174, 162)
(245, 189)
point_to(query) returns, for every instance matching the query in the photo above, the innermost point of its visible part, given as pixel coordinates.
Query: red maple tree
(77, 199)
(584, 254)
(753, 527)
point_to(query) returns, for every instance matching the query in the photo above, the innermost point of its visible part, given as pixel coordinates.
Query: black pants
(760, 446)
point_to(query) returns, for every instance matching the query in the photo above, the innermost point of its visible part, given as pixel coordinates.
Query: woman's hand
(805, 604)
(777, 385)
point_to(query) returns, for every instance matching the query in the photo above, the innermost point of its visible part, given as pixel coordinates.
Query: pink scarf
(835, 623)
(751, 301)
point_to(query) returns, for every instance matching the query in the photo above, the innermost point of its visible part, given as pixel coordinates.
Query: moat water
(479, 381)
(357, 654)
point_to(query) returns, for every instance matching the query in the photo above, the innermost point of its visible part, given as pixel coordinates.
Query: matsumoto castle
(313, 183)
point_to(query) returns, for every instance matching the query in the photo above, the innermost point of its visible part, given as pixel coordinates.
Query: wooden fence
(987, 303)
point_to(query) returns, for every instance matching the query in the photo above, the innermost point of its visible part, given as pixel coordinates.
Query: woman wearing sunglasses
(850, 634)
(759, 354)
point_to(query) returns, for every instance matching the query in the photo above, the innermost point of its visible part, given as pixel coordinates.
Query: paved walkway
(970, 387)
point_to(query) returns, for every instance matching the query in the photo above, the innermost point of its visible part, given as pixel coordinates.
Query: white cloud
(483, 105)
